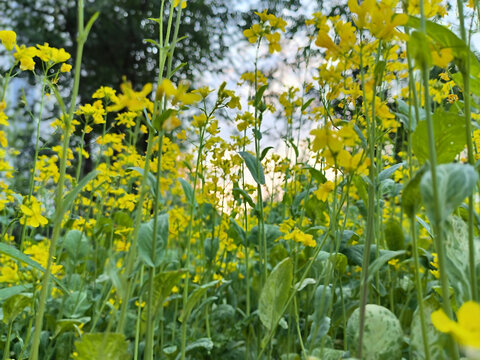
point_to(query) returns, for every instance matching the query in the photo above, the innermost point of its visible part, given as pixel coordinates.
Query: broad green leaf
(5, 293)
(14, 306)
(76, 244)
(64, 325)
(163, 285)
(382, 260)
(194, 298)
(146, 241)
(317, 175)
(418, 47)
(445, 38)
(436, 340)
(454, 183)
(255, 168)
(474, 82)
(203, 343)
(76, 304)
(102, 346)
(275, 294)
(16, 254)
(188, 190)
(299, 286)
(394, 236)
(450, 137)
(411, 193)
(406, 115)
(457, 257)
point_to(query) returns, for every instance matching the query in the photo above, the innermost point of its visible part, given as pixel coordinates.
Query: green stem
(370, 232)
(465, 70)
(59, 209)
(189, 241)
(438, 222)
(151, 271)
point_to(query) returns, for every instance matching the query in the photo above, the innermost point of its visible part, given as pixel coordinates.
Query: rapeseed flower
(132, 100)
(8, 38)
(25, 55)
(467, 330)
(32, 213)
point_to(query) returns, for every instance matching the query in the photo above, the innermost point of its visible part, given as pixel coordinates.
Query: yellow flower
(177, 95)
(65, 68)
(25, 55)
(323, 190)
(47, 53)
(199, 121)
(8, 38)
(467, 330)
(32, 213)
(133, 100)
(300, 237)
(184, 3)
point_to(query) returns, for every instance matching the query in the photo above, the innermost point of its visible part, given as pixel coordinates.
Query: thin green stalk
(136, 227)
(59, 209)
(418, 285)
(151, 271)
(189, 241)
(262, 240)
(437, 225)
(370, 232)
(465, 70)
(6, 349)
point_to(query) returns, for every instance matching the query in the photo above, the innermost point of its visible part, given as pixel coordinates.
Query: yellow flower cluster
(267, 27)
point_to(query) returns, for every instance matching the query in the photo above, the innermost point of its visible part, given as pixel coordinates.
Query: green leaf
(388, 172)
(203, 343)
(265, 152)
(102, 346)
(259, 95)
(255, 168)
(450, 138)
(317, 175)
(146, 241)
(474, 82)
(394, 235)
(418, 46)
(16, 254)
(14, 306)
(445, 38)
(187, 189)
(382, 260)
(275, 294)
(246, 196)
(76, 245)
(305, 105)
(5, 293)
(64, 325)
(411, 193)
(299, 286)
(163, 285)
(454, 183)
(76, 304)
(194, 298)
